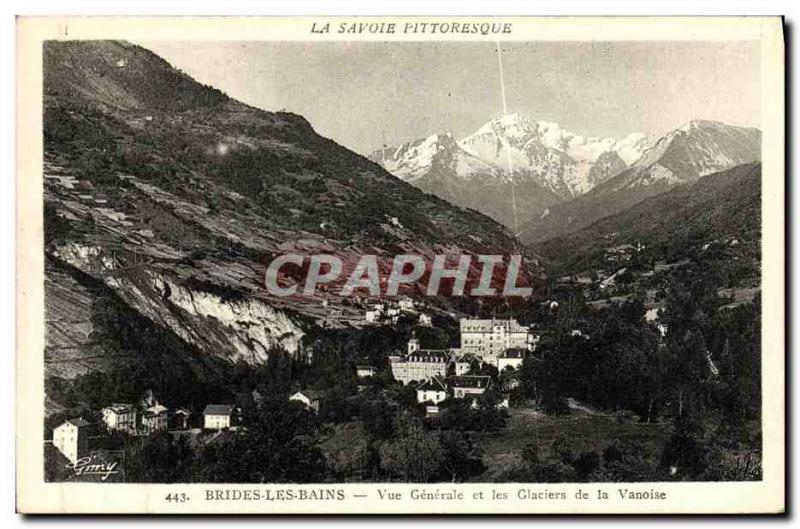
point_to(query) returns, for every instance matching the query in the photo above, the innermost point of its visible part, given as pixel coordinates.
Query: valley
(635, 356)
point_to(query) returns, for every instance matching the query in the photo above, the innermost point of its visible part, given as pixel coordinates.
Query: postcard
(400, 265)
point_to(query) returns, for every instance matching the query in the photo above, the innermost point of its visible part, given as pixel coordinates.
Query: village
(487, 359)
(436, 374)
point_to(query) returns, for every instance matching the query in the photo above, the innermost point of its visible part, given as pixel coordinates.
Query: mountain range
(548, 164)
(563, 182)
(683, 155)
(167, 199)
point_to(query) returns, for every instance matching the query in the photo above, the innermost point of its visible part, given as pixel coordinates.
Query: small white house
(433, 390)
(71, 438)
(217, 416)
(425, 320)
(310, 399)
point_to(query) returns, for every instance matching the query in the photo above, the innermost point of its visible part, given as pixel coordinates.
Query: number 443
(177, 497)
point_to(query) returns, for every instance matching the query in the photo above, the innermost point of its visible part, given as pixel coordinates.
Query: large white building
(488, 339)
(419, 364)
(71, 438)
(121, 417)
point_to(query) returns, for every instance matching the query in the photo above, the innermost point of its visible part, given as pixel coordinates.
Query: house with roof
(71, 438)
(155, 419)
(433, 390)
(309, 398)
(511, 359)
(120, 417)
(466, 386)
(217, 416)
(180, 419)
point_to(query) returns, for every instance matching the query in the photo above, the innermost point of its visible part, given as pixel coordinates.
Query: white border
(234, 6)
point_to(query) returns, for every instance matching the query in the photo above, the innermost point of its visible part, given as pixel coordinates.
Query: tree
(488, 416)
(275, 447)
(687, 369)
(685, 453)
(460, 457)
(585, 464)
(378, 418)
(413, 455)
(161, 459)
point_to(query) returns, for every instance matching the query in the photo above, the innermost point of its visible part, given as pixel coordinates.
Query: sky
(365, 95)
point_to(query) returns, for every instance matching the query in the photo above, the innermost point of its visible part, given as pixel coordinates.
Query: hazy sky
(365, 95)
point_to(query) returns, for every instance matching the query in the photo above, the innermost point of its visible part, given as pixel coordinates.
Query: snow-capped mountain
(438, 165)
(684, 155)
(414, 160)
(548, 165)
(561, 160)
(696, 149)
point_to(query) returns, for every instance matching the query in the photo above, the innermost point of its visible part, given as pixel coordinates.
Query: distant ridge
(549, 165)
(683, 155)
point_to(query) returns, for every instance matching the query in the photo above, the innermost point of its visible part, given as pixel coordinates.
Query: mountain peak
(685, 154)
(544, 162)
(444, 137)
(507, 125)
(703, 123)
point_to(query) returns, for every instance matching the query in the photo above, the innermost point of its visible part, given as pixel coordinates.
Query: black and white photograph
(481, 260)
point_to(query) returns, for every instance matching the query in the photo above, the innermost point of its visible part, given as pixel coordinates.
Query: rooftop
(218, 409)
(120, 408)
(470, 325)
(310, 394)
(469, 381)
(433, 384)
(428, 355)
(157, 409)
